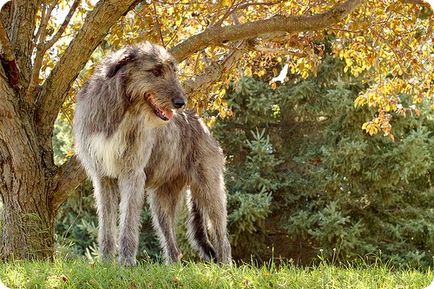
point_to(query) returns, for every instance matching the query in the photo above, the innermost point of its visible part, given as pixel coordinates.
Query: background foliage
(336, 192)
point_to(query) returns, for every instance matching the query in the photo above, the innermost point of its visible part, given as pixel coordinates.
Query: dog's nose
(178, 102)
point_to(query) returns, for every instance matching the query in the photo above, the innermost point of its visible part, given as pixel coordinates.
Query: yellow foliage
(360, 101)
(248, 71)
(388, 44)
(371, 127)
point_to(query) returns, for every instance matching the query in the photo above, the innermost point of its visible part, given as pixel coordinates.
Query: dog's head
(148, 76)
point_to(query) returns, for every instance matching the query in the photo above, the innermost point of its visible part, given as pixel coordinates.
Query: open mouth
(165, 114)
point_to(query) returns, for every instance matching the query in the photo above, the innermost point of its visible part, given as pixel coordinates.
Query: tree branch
(21, 36)
(42, 29)
(241, 6)
(8, 58)
(214, 71)
(96, 26)
(417, 2)
(39, 39)
(38, 32)
(34, 77)
(290, 24)
(158, 25)
(6, 14)
(228, 12)
(62, 27)
(44, 45)
(68, 177)
(6, 45)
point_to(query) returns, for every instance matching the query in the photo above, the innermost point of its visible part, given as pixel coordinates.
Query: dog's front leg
(106, 193)
(131, 186)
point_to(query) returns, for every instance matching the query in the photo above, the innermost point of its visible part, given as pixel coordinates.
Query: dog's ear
(121, 62)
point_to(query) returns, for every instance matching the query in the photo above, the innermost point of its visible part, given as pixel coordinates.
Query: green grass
(79, 274)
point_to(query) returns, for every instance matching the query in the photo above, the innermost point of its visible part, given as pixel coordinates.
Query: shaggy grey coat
(131, 138)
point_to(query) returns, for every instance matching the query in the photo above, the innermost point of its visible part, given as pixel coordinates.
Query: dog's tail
(197, 232)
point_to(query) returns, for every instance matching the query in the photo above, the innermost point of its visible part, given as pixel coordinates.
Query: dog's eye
(157, 71)
(173, 67)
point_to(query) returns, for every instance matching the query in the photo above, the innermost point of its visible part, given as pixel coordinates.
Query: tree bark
(28, 219)
(216, 35)
(21, 35)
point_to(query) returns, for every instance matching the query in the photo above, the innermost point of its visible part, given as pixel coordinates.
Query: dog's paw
(127, 261)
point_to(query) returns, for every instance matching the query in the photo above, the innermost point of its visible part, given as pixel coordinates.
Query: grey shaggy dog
(132, 138)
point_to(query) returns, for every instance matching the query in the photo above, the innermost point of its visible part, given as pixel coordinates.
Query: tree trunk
(28, 232)
(25, 182)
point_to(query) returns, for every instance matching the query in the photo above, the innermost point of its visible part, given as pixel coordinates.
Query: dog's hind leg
(132, 190)
(106, 194)
(164, 203)
(197, 232)
(208, 192)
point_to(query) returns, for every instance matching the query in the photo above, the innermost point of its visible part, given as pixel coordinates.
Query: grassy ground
(79, 274)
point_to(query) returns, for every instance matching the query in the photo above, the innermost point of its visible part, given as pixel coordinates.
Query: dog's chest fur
(128, 148)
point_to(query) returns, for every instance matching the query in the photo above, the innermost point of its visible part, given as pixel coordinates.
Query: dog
(133, 138)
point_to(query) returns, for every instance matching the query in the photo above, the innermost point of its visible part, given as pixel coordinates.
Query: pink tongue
(168, 113)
